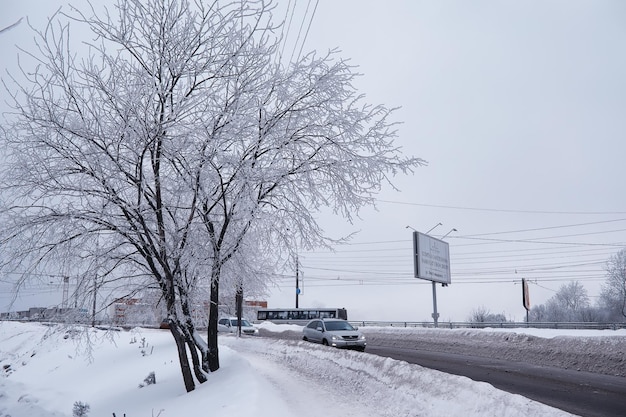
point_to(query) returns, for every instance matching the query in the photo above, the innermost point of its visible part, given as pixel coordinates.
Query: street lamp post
(434, 227)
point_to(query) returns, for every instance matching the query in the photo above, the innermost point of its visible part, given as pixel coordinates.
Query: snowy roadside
(600, 351)
(358, 384)
(45, 373)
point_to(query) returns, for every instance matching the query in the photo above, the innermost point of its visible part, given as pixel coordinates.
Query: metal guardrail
(499, 325)
(422, 324)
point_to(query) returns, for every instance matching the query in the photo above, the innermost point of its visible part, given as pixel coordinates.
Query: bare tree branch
(6, 29)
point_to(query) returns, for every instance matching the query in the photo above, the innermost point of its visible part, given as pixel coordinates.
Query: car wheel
(305, 338)
(325, 342)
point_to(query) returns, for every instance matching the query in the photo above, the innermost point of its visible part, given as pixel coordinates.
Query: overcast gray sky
(518, 107)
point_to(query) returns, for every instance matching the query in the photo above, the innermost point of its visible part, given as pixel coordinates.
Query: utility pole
(93, 307)
(66, 289)
(297, 281)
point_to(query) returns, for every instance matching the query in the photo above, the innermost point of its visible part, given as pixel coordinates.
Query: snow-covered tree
(573, 299)
(179, 143)
(613, 295)
(569, 303)
(538, 312)
(483, 315)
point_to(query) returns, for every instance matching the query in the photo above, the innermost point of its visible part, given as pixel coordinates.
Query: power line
(295, 45)
(603, 213)
(284, 39)
(414, 281)
(542, 250)
(488, 241)
(493, 233)
(306, 35)
(547, 228)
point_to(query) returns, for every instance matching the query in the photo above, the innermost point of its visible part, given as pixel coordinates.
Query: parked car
(334, 332)
(229, 325)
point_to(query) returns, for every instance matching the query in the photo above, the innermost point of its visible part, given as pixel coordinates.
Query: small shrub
(146, 353)
(80, 409)
(149, 380)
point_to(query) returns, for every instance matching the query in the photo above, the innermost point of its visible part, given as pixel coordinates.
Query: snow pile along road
(46, 370)
(600, 351)
(374, 386)
(603, 354)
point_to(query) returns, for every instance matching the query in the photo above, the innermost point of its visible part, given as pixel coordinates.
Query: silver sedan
(334, 332)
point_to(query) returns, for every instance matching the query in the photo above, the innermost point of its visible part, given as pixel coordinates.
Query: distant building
(134, 312)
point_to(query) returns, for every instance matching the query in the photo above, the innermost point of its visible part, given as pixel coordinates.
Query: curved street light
(434, 227)
(430, 230)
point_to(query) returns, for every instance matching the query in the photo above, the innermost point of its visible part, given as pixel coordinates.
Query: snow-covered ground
(45, 371)
(598, 351)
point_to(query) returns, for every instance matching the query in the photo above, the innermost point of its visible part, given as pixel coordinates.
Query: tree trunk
(214, 360)
(195, 359)
(182, 356)
(239, 307)
(203, 348)
(189, 332)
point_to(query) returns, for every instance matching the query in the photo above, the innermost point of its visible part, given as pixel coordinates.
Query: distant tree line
(571, 301)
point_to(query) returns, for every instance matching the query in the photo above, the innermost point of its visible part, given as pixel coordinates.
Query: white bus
(299, 315)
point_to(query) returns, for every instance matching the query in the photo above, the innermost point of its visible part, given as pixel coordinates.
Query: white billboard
(431, 258)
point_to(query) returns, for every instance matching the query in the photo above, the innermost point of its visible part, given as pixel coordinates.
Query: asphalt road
(581, 393)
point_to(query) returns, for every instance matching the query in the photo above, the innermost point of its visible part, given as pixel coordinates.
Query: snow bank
(377, 386)
(598, 351)
(47, 369)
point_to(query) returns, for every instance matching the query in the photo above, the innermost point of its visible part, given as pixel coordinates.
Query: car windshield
(244, 323)
(338, 325)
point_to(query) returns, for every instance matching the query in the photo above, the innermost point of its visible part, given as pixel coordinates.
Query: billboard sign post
(431, 260)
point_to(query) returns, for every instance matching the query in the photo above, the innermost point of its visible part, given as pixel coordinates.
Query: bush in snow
(483, 315)
(145, 353)
(80, 409)
(149, 380)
